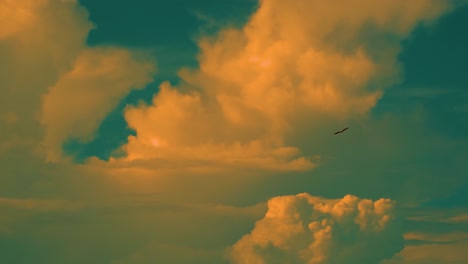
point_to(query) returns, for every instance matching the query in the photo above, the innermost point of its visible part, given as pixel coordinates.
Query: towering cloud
(295, 67)
(306, 229)
(293, 61)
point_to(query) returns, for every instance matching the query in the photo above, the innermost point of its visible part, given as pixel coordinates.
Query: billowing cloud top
(254, 88)
(261, 93)
(292, 62)
(306, 229)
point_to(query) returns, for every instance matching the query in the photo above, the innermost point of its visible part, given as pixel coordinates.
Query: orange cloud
(17, 16)
(41, 205)
(441, 237)
(76, 105)
(311, 53)
(433, 248)
(181, 127)
(81, 84)
(432, 254)
(307, 229)
(171, 253)
(300, 59)
(39, 40)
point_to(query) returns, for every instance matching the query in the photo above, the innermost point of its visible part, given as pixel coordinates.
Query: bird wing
(341, 131)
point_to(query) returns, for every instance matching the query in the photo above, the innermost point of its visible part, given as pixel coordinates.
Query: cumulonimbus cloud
(301, 61)
(306, 229)
(293, 61)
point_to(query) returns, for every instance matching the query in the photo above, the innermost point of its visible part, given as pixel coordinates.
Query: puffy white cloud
(313, 230)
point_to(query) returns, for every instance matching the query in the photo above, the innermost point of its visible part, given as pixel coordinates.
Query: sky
(203, 132)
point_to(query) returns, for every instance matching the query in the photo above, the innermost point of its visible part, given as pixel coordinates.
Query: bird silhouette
(341, 131)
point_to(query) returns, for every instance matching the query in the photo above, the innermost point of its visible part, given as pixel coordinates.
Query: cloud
(163, 132)
(434, 236)
(164, 253)
(292, 64)
(307, 229)
(79, 101)
(439, 215)
(433, 254)
(217, 226)
(33, 58)
(260, 90)
(39, 40)
(311, 54)
(29, 47)
(45, 205)
(44, 55)
(119, 229)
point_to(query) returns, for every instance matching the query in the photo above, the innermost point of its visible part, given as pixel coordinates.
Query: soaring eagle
(341, 131)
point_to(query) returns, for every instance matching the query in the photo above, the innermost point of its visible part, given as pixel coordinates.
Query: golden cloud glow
(307, 229)
(296, 59)
(180, 127)
(259, 91)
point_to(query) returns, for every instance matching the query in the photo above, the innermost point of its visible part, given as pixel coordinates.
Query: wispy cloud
(434, 236)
